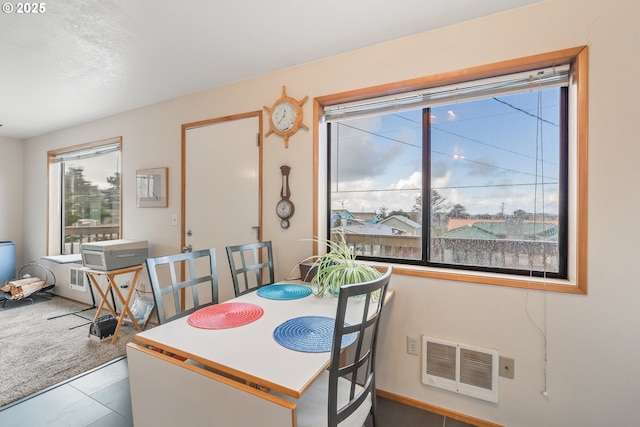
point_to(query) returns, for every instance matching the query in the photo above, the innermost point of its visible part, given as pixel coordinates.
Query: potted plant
(338, 267)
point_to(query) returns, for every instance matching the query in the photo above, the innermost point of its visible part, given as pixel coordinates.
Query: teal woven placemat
(284, 291)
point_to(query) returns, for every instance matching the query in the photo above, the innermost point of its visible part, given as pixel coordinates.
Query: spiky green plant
(339, 267)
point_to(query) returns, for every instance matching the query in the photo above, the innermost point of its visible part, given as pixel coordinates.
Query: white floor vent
(465, 369)
(78, 279)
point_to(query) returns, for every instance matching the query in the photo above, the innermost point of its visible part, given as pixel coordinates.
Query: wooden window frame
(577, 57)
(54, 237)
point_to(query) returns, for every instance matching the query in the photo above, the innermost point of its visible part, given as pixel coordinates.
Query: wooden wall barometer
(285, 207)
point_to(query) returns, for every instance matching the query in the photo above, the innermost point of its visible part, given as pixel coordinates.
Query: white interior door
(222, 189)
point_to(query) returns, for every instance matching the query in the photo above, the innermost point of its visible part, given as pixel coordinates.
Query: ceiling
(79, 61)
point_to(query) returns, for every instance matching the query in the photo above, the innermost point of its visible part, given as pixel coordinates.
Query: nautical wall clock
(285, 116)
(285, 208)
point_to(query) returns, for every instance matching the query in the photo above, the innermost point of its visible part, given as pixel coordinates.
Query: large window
(84, 195)
(479, 175)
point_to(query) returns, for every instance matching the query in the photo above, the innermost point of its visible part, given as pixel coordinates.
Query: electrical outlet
(412, 345)
(507, 367)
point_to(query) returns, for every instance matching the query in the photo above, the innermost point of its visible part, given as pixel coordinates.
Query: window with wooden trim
(485, 175)
(84, 195)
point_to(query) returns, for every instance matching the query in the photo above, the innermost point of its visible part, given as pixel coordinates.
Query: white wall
(593, 344)
(11, 190)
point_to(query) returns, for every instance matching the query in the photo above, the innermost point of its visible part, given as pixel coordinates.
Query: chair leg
(373, 410)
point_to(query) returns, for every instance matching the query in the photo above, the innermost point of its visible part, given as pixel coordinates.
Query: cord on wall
(541, 329)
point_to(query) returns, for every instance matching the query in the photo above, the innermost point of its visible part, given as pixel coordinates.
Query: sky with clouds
(489, 155)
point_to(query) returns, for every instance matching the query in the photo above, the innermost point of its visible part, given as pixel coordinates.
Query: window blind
(512, 83)
(86, 153)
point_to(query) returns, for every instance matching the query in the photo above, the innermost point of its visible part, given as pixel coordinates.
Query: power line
(380, 135)
(486, 164)
(477, 141)
(455, 187)
(452, 187)
(435, 151)
(535, 116)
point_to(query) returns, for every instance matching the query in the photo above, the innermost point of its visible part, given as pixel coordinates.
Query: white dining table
(244, 361)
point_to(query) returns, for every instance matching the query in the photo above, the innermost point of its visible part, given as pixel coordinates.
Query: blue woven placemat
(309, 334)
(284, 291)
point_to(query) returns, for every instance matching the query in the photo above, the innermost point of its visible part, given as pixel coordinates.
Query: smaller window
(84, 195)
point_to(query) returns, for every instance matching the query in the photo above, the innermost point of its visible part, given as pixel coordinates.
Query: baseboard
(70, 299)
(436, 409)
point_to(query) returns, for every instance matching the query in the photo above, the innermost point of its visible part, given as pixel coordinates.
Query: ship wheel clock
(285, 116)
(285, 207)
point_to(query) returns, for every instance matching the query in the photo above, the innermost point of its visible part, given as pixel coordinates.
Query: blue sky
(483, 156)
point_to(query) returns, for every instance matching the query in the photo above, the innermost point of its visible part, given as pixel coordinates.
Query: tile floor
(101, 398)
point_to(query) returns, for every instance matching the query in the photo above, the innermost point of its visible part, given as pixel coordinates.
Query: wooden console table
(112, 286)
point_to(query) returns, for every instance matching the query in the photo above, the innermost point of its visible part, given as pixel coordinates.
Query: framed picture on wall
(152, 188)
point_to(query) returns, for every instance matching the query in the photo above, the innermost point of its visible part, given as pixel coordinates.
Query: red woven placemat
(223, 316)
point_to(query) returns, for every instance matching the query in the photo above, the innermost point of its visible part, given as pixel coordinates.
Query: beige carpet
(36, 353)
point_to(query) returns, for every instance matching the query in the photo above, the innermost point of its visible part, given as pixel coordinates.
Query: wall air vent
(78, 279)
(464, 369)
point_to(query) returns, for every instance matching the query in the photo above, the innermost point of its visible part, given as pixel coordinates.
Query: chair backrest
(251, 266)
(360, 306)
(164, 277)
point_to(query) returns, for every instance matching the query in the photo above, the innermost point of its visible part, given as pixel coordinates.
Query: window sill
(63, 259)
(513, 281)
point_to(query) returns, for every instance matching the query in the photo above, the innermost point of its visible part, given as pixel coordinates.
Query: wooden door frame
(208, 122)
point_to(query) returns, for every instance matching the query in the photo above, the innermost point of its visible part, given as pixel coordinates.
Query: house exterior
(403, 225)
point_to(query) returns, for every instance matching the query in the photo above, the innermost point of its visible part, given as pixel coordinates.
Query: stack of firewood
(24, 287)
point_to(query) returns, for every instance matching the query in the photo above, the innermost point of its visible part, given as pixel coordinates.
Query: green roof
(498, 230)
(469, 232)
